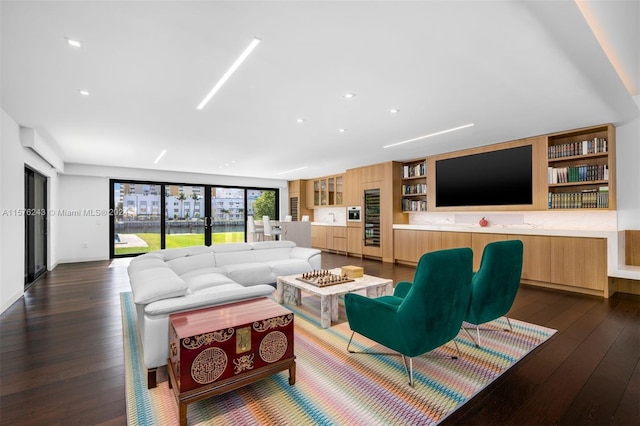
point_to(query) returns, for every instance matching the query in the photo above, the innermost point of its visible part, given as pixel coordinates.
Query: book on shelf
(582, 173)
(415, 189)
(414, 170)
(409, 205)
(572, 149)
(586, 199)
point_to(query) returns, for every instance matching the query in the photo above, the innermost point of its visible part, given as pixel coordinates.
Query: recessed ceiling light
(293, 170)
(429, 135)
(73, 43)
(348, 95)
(342, 130)
(84, 92)
(162, 153)
(300, 120)
(394, 110)
(229, 72)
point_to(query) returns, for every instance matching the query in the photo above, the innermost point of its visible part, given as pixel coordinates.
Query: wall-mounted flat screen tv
(495, 178)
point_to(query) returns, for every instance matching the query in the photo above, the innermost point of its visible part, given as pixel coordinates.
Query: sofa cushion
(172, 253)
(229, 247)
(262, 245)
(206, 280)
(181, 265)
(192, 251)
(249, 273)
(195, 272)
(280, 268)
(145, 263)
(151, 284)
(216, 296)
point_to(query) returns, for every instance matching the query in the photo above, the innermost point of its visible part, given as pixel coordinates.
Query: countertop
(512, 230)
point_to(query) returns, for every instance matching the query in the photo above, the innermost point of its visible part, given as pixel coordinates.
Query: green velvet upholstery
(422, 315)
(495, 285)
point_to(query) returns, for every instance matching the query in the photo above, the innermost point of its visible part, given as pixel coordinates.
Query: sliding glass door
(35, 203)
(185, 216)
(137, 217)
(227, 215)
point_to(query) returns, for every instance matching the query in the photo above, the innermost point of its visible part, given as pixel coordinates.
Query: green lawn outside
(180, 240)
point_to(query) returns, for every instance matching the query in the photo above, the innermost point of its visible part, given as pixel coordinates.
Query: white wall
(13, 158)
(86, 238)
(11, 224)
(628, 173)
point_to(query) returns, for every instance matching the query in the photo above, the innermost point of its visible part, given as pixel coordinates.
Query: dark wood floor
(61, 354)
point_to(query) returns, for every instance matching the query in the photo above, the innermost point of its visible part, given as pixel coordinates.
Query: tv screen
(496, 178)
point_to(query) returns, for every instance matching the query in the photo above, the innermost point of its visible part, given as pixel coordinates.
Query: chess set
(323, 278)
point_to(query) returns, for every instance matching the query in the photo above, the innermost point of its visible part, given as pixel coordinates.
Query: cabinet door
(478, 241)
(579, 262)
(319, 237)
(354, 239)
(405, 245)
(428, 241)
(310, 193)
(536, 262)
(455, 240)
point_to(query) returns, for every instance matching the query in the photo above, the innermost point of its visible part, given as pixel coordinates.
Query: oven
(353, 214)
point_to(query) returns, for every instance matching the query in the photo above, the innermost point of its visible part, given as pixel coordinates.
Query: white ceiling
(514, 69)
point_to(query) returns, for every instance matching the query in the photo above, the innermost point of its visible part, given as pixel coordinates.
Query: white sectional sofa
(175, 280)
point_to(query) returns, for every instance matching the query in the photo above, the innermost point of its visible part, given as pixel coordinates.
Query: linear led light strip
(229, 72)
(429, 135)
(293, 170)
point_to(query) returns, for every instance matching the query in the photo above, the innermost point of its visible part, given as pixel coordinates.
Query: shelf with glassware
(414, 186)
(326, 191)
(581, 169)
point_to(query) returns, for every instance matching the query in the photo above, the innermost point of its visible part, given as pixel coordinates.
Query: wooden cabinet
(319, 237)
(581, 173)
(332, 238)
(414, 186)
(405, 245)
(536, 262)
(568, 263)
(579, 262)
(327, 191)
(478, 241)
(354, 240)
(298, 199)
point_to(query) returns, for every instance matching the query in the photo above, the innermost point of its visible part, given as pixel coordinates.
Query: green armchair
(420, 316)
(495, 285)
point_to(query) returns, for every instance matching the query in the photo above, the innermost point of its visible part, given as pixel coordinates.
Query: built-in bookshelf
(581, 169)
(414, 186)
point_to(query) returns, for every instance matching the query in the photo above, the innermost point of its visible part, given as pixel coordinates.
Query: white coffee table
(289, 291)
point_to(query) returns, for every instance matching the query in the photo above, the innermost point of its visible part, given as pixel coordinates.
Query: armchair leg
(508, 322)
(408, 368)
(349, 344)
(477, 343)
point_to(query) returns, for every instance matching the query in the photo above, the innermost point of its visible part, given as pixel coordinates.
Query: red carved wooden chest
(216, 347)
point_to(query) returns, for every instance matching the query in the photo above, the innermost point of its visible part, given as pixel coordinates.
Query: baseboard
(623, 285)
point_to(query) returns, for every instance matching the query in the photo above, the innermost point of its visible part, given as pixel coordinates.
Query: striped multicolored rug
(334, 387)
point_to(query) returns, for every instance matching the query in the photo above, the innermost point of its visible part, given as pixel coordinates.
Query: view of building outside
(138, 220)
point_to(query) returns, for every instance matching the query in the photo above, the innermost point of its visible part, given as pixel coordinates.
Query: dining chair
(269, 230)
(255, 232)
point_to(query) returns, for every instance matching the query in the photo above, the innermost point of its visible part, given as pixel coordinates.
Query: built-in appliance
(353, 214)
(372, 217)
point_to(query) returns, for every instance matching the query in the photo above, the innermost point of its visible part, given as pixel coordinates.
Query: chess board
(323, 278)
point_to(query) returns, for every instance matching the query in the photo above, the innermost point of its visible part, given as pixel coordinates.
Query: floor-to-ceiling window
(185, 217)
(151, 216)
(35, 222)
